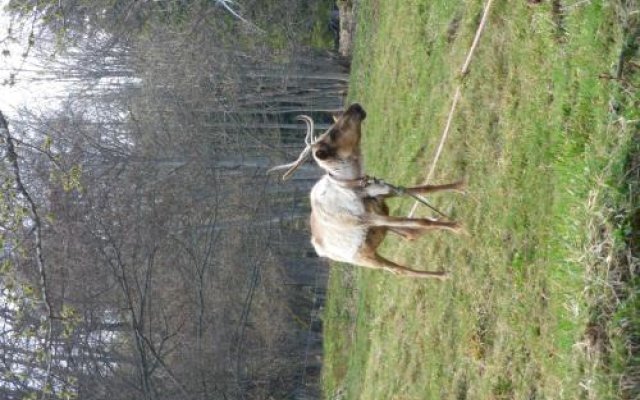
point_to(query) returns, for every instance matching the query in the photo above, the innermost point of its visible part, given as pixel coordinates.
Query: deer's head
(337, 151)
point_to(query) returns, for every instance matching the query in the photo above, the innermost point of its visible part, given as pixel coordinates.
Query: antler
(310, 139)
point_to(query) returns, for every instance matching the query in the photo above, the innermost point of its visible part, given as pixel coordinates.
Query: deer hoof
(461, 187)
(444, 276)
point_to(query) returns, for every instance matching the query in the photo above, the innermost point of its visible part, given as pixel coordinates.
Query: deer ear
(336, 116)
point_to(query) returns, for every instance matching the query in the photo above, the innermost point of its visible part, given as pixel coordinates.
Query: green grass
(542, 135)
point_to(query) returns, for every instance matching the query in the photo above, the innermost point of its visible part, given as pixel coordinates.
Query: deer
(349, 216)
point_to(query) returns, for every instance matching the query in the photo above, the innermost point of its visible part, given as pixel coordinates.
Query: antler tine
(293, 165)
(309, 141)
(303, 157)
(310, 138)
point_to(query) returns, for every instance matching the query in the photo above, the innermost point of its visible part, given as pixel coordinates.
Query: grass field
(543, 301)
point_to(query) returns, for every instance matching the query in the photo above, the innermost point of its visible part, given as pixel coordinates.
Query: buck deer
(349, 217)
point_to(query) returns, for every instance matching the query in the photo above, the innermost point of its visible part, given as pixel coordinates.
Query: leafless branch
(12, 157)
(226, 4)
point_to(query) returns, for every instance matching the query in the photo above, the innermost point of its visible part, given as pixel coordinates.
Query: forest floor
(544, 300)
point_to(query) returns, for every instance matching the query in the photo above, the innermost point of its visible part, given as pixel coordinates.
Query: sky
(25, 92)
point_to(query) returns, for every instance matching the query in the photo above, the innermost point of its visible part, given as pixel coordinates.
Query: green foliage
(69, 180)
(539, 143)
(70, 318)
(320, 37)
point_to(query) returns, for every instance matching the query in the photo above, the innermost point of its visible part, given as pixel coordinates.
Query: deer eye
(322, 154)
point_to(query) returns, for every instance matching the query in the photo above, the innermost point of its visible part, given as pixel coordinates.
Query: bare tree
(175, 267)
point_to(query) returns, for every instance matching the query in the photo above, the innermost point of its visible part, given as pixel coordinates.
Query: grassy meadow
(543, 298)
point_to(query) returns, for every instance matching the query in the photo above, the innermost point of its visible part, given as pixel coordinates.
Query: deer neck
(348, 169)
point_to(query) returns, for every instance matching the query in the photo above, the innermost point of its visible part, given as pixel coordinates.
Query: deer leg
(386, 192)
(411, 223)
(426, 189)
(375, 261)
(408, 233)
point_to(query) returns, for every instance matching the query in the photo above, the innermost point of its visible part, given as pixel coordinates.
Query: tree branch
(12, 157)
(226, 5)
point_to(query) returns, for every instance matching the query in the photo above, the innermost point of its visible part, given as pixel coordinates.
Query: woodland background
(145, 252)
